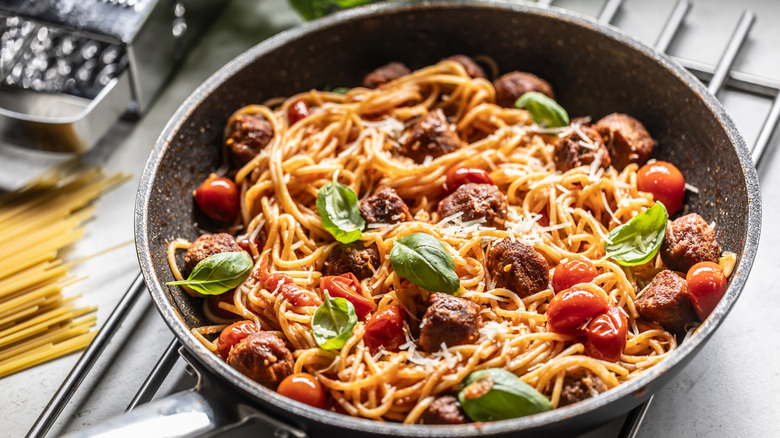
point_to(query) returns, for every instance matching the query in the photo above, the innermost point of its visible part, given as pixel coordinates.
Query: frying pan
(594, 69)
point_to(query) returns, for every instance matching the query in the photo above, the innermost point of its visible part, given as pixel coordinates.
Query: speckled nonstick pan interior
(594, 69)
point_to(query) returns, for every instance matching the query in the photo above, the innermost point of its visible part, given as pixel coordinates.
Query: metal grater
(70, 68)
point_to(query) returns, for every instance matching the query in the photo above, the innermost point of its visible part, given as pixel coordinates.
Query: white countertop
(730, 389)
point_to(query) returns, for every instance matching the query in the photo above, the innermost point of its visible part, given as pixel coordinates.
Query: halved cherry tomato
(665, 182)
(706, 286)
(297, 111)
(573, 271)
(232, 335)
(213, 302)
(385, 329)
(298, 296)
(607, 335)
(347, 286)
(218, 198)
(456, 177)
(570, 311)
(305, 388)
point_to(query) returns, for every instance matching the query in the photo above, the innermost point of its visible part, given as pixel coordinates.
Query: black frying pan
(594, 69)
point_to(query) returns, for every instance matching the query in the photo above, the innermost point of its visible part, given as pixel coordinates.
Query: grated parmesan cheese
(691, 188)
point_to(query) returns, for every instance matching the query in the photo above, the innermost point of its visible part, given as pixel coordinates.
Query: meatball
(208, 245)
(444, 410)
(666, 301)
(689, 240)
(450, 321)
(574, 151)
(430, 136)
(384, 207)
(247, 136)
(579, 384)
(476, 201)
(472, 68)
(512, 85)
(626, 138)
(384, 74)
(518, 267)
(263, 358)
(354, 258)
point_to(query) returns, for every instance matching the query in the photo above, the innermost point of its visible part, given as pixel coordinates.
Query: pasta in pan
(429, 154)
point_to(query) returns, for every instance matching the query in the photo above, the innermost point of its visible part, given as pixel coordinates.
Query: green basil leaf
(496, 394)
(337, 206)
(637, 241)
(311, 9)
(423, 260)
(219, 273)
(332, 322)
(341, 90)
(545, 111)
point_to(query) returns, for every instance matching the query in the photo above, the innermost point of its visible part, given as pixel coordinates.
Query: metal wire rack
(716, 76)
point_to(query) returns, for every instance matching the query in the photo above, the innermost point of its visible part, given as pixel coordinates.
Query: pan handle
(202, 411)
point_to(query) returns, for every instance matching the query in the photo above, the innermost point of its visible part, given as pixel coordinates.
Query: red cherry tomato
(305, 388)
(213, 303)
(347, 286)
(297, 111)
(607, 335)
(244, 244)
(385, 329)
(218, 198)
(570, 310)
(232, 335)
(665, 182)
(706, 286)
(456, 177)
(571, 272)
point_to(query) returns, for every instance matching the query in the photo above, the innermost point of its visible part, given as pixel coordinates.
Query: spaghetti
(355, 138)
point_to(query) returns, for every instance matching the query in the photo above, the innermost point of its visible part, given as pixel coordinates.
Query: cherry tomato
(456, 177)
(232, 335)
(706, 286)
(218, 198)
(569, 312)
(347, 286)
(571, 272)
(297, 111)
(298, 296)
(213, 302)
(607, 335)
(385, 329)
(665, 182)
(305, 388)
(244, 244)
(545, 219)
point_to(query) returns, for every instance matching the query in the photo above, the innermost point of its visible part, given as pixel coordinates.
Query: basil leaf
(333, 322)
(311, 9)
(545, 111)
(341, 90)
(496, 394)
(637, 241)
(422, 259)
(337, 206)
(218, 273)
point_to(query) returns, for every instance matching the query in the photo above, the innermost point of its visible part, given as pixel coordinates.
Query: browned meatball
(666, 301)
(689, 240)
(579, 384)
(263, 358)
(444, 410)
(574, 151)
(247, 136)
(476, 201)
(208, 245)
(512, 85)
(354, 258)
(518, 267)
(450, 321)
(626, 138)
(384, 207)
(384, 74)
(472, 68)
(430, 136)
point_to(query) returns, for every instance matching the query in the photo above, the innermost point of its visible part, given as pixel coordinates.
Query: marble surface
(730, 389)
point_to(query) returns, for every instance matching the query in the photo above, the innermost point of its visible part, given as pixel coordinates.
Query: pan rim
(260, 393)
